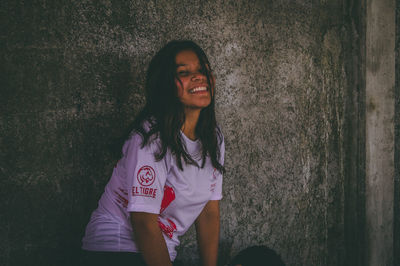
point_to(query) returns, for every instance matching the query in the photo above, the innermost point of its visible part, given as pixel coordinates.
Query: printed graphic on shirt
(144, 192)
(169, 196)
(215, 173)
(167, 226)
(121, 197)
(212, 187)
(146, 176)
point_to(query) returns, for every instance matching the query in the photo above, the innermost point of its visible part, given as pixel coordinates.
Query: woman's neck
(189, 126)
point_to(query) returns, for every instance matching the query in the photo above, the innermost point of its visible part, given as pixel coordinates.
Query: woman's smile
(198, 90)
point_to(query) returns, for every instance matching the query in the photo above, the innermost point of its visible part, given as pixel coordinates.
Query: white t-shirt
(141, 184)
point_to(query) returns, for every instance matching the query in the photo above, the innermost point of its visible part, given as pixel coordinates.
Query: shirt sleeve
(217, 194)
(145, 176)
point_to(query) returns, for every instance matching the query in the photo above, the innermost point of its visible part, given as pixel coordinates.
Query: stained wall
(72, 78)
(380, 128)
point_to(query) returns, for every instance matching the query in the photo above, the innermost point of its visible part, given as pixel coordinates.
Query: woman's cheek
(179, 87)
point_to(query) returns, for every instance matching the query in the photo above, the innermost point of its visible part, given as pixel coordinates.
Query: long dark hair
(165, 112)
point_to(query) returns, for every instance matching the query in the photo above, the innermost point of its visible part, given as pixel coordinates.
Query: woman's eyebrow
(183, 64)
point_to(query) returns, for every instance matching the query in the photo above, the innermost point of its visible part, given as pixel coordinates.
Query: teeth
(198, 89)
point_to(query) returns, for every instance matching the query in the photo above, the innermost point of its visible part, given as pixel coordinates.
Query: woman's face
(193, 89)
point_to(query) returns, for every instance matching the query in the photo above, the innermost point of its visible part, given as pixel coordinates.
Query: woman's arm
(207, 229)
(150, 239)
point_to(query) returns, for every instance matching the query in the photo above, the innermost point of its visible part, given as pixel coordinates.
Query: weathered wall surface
(380, 139)
(72, 79)
(396, 207)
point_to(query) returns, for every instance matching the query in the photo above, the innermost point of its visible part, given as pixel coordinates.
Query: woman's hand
(207, 228)
(150, 239)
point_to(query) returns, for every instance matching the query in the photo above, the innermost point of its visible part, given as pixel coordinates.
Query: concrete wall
(380, 105)
(396, 209)
(288, 101)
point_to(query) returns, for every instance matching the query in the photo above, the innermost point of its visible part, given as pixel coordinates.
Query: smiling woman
(194, 92)
(170, 173)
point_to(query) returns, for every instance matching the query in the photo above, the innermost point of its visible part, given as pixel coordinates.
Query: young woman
(170, 173)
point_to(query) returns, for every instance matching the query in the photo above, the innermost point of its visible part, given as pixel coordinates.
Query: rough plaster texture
(396, 207)
(380, 104)
(72, 77)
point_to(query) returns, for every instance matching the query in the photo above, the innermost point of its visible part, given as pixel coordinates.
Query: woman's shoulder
(149, 124)
(144, 128)
(140, 139)
(220, 135)
(147, 132)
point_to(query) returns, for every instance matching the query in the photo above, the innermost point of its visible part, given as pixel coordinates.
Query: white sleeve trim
(143, 208)
(216, 197)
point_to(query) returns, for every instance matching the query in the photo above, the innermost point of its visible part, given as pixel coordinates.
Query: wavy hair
(165, 112)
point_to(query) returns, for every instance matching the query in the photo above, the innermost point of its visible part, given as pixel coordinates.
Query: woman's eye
(183, 73)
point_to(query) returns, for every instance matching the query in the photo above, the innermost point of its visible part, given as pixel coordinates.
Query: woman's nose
(198, 76)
